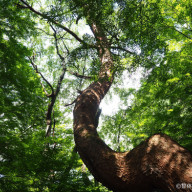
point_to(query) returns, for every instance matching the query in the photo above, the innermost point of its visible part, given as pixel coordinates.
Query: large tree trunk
(158, 162)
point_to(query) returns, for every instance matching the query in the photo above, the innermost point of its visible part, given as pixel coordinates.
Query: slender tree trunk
(157, 162)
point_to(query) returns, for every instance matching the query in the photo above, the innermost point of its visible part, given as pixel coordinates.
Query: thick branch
(107, 67)
(59, 82)
(52, 102)
(53, 96)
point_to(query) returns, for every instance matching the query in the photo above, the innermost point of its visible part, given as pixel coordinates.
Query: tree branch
(122, 49)
(56, 43)
(70, 103)
(62, 58)
(172, 27)
(48, 18)
(51, 104)
(79, 75)
(37, 71)
(59, 82)
(182, 33)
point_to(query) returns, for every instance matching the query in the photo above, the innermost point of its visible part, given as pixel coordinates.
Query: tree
(146, 166)
(125, 35)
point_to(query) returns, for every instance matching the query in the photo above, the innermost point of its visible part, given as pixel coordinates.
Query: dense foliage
(154, 35)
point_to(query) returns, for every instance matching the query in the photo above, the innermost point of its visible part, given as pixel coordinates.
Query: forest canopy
(59, 58)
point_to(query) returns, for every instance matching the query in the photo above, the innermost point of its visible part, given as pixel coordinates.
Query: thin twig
(182, 33)
(56, 43)
(70, 103)
(123, 49)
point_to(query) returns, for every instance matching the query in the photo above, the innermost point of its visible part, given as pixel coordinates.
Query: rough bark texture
(158, 162)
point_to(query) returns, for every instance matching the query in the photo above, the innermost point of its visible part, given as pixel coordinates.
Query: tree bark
(158, 162)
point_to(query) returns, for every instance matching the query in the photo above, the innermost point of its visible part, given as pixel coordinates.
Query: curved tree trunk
(157, 162)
